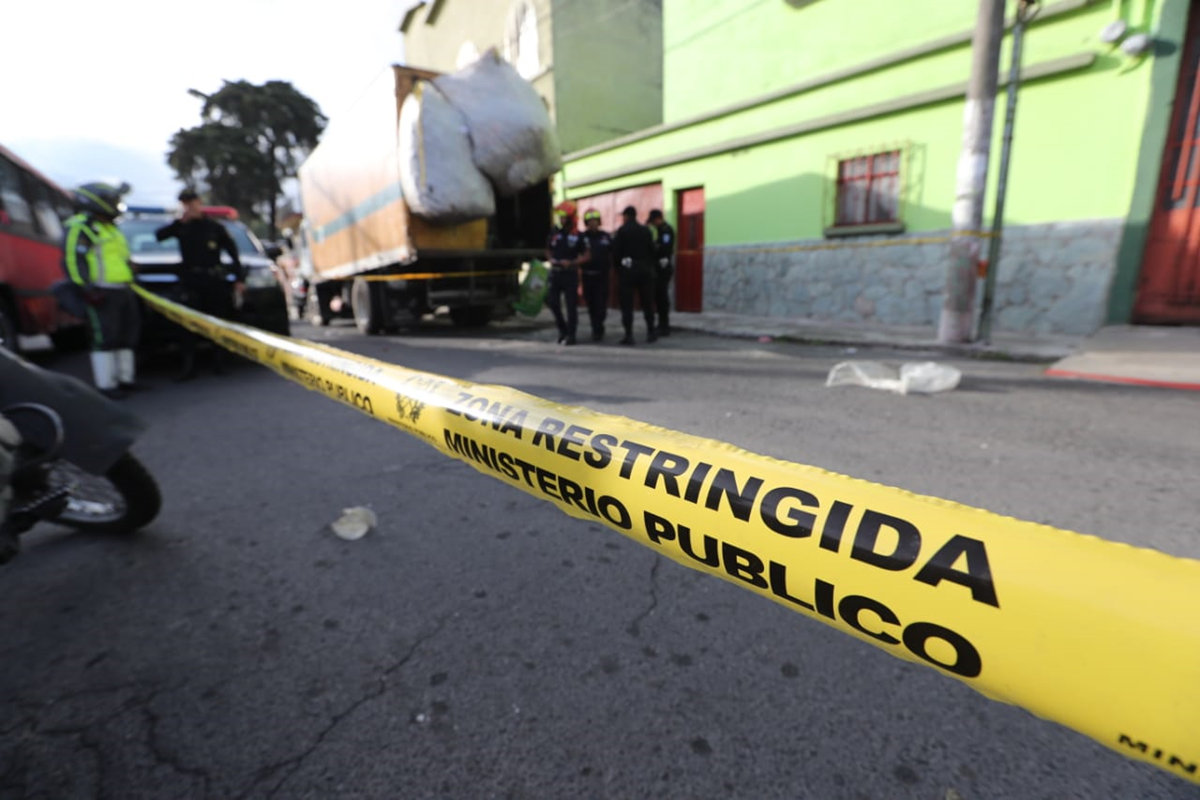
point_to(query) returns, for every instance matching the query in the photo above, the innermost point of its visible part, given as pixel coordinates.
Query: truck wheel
(366, 301)
(471, 316)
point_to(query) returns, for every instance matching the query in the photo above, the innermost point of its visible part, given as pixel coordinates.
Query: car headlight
(260, 278)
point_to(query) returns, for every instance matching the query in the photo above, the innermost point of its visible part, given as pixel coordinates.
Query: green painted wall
(1076, 141)
(608, 59)
(765, 45)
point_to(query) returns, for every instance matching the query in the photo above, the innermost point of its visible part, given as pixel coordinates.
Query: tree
(251, 140)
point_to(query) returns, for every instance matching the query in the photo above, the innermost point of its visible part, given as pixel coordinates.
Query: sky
(94, 91)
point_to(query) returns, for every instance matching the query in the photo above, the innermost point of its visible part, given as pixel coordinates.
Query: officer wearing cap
(596, 271)
(664, 268)
(633, 259)
(96, 259)
(205, 278)
(566, 250)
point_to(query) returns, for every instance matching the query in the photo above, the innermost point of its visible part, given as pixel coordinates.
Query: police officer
(596, 271)
(96, 258)
(633, 258)
(664, 268)
(205, 278)
(566, 250)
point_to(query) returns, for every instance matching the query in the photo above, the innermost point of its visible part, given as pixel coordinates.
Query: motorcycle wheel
(121, 501)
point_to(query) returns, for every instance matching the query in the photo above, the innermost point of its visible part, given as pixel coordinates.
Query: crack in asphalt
(635, 627)
(15, 725)
(294, 763)
(12, 777)
(91, 739)
(159, 752)
(86, 742)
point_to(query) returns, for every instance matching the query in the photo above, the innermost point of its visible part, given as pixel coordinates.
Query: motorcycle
(70, 457)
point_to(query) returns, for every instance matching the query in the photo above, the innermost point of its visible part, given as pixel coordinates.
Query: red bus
(32, 211)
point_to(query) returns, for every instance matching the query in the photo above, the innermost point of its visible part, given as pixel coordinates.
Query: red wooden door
(1169, 286)
(689, 250)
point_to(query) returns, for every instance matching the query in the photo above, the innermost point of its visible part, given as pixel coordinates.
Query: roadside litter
(926, 377)
(354, 523)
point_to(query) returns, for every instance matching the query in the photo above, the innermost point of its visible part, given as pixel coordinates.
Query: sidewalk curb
(1130, 381)
(983, 352)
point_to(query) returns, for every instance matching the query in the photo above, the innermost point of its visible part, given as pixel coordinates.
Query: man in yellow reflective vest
(97, 261)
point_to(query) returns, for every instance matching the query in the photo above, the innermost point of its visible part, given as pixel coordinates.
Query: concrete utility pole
(958, 318)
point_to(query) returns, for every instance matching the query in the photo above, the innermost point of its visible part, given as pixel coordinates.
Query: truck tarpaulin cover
(513, 140)
(437, 174)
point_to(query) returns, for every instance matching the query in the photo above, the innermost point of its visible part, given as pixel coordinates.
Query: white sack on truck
(439, 178)
(513, 140)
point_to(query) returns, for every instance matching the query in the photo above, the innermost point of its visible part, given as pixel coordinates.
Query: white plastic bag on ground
(926, 377)
(354, 523)
(866, 373)
(439, 179)
(513, 140)
(929, 377)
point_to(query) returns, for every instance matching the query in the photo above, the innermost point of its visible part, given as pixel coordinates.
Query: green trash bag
(533, 289)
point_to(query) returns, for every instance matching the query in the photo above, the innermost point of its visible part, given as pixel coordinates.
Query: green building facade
(824, 137)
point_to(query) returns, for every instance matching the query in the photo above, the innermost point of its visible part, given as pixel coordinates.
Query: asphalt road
(480, 643)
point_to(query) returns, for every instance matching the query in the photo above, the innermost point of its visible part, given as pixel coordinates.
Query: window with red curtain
(868, 189)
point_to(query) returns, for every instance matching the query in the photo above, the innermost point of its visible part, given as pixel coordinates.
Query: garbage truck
(378, 254)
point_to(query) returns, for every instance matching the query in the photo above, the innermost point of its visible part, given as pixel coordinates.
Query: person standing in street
(96, 259)
(664, 268)
(633, 258)
(566, 250)
(205, 278)
(596, 272)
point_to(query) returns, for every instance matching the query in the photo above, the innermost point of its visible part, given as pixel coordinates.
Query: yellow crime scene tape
(1096, 635)
(423, 276)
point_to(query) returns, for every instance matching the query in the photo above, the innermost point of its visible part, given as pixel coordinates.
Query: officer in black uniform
(205, 278)
(633, 258)
(566, 250)
(664, 268)
(596, 272)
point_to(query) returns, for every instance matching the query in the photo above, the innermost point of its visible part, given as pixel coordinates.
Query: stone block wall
(1052, 278)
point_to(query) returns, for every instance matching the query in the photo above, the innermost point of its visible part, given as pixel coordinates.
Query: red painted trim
(1066, 373)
